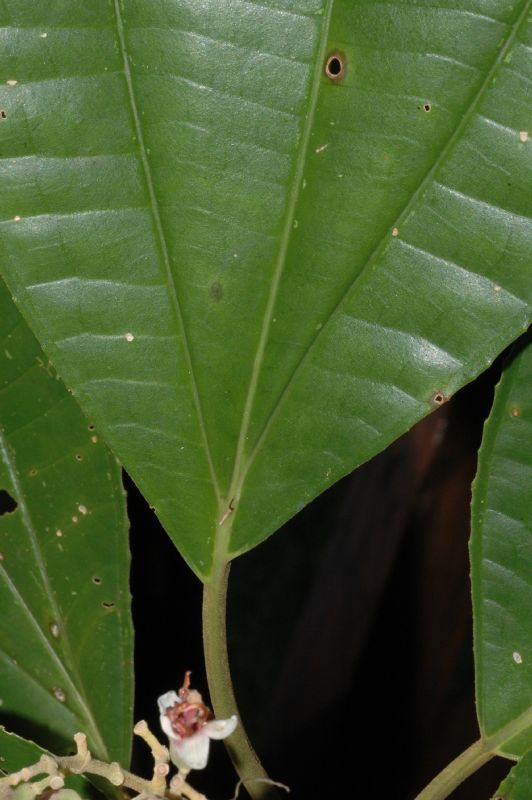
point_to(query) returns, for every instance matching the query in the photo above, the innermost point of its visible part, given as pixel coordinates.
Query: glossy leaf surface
(254, 265)
(501, 555)
(518, 784)
(65, 631)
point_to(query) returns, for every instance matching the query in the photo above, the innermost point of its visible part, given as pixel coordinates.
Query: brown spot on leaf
(335, 65)
(438, 399)
(216, 291)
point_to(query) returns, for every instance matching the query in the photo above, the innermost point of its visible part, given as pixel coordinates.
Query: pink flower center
(187, 719)
(189, 715)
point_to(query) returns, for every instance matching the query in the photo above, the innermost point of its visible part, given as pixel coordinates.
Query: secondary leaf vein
(236, 482)
(156, 216)
(367, 269)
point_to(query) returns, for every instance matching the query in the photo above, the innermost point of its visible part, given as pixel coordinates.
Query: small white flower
(189, 726)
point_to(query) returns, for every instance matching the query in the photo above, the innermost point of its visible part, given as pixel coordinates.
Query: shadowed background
(350, 629)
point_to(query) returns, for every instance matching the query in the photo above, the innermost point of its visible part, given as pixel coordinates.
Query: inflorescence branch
(22, 786)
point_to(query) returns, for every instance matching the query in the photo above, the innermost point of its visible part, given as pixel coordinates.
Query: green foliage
(501, 555)
(253, 275)
(258, 241)
(65, 631)
(518, 784)
(16, 753)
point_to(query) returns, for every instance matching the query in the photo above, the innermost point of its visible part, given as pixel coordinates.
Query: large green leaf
(518, 784)
(65, 631)
(254, 276)
(501, 555)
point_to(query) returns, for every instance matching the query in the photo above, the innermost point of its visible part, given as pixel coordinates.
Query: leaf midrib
(515, 727)
(163, 247)
(284, 243)
(364, 274)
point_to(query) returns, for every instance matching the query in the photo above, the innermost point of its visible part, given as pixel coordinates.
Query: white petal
(192, 752)
(167, 700)
(220, 728)
(166, 725)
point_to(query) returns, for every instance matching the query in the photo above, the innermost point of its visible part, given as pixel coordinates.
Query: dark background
(350, 629)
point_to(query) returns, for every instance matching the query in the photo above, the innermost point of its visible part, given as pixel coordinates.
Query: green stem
(244, 758)
(457, 771)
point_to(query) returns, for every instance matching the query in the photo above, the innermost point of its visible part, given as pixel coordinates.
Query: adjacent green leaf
(65, 630)
(252, 275)
(16, 753)
(518, 784)
(501, 555)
